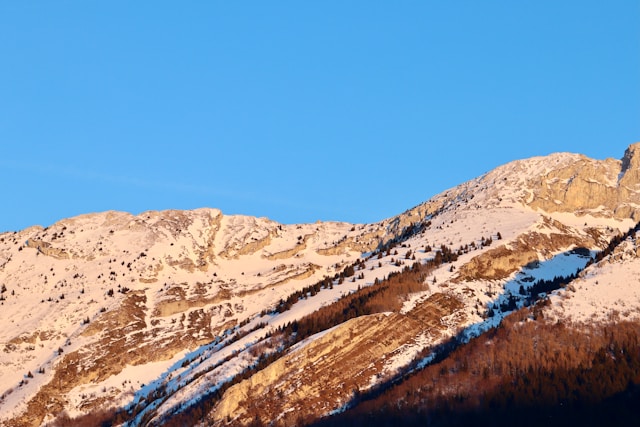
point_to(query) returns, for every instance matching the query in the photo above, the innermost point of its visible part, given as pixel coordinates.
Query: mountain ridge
(108, 292)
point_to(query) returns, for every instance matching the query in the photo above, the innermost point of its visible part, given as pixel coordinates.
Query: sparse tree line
(383, 295)
(613, 244)
(443, 255)
(529, 295)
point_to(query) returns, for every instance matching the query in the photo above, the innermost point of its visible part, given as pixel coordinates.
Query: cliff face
(605, 187)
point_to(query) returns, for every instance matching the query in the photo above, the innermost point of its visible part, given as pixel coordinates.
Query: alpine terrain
(514, 294)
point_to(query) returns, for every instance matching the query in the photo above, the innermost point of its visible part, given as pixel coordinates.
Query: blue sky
(299, 111)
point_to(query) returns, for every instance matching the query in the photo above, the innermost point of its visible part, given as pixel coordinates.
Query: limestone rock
(604, 187)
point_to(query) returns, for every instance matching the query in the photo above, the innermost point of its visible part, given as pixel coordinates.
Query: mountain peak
(581, 185)
(630, 169)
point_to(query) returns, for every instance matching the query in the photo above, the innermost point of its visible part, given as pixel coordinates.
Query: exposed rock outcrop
(335, 368)
(605, 187)
(45, 248)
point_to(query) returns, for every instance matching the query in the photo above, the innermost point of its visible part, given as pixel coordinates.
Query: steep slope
(155, 310)
(372, 349)
(607, 291)
(540, 238)
(572, 358)
(498, 195)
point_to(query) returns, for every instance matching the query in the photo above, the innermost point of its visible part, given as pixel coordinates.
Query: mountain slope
(106, 309)
(572, 358)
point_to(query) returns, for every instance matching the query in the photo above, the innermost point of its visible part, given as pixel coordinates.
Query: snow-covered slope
(101, 287)
(607, 291)
(105, 309)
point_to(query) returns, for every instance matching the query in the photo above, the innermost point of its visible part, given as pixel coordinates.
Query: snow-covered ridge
(123, 301)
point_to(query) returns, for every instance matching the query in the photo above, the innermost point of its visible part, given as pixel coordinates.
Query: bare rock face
(334, 369)
(46, 249)
(605, 187)
(631, 167)
(548, 237)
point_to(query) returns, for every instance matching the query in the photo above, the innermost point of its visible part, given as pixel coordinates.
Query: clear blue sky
(299, 111)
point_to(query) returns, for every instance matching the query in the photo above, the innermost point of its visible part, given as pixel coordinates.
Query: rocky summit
(200, 318)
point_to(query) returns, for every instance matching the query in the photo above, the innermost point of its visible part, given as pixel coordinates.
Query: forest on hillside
(528, 371)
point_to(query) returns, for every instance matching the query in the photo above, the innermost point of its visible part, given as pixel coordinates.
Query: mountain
(199, 318)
